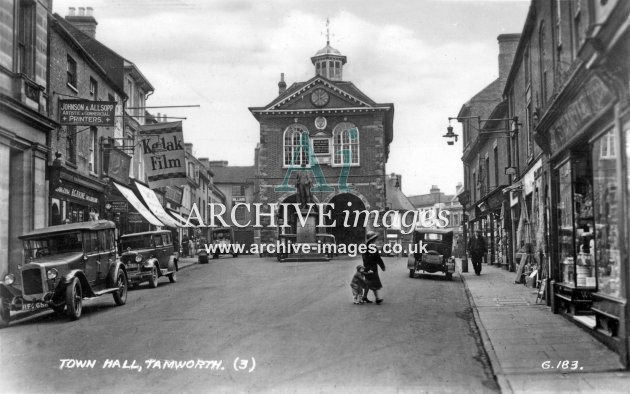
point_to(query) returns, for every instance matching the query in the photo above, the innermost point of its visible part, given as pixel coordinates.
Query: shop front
(74, 197)
(583, 137)
(490, 217)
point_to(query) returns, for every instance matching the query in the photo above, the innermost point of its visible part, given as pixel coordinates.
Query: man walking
(477, 248)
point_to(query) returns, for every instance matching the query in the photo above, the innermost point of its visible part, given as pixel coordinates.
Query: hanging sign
(87, 113)
(162, 146)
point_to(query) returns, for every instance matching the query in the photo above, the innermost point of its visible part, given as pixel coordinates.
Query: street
(295, 321)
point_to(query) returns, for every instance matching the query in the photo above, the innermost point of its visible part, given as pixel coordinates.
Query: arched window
(296, 146)
(345, 144)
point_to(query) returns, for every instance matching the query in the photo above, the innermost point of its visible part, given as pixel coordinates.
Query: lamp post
(510, 132)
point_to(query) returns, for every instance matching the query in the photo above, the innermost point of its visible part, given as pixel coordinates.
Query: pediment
(299, 97)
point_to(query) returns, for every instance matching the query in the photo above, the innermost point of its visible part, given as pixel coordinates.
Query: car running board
(105, 291)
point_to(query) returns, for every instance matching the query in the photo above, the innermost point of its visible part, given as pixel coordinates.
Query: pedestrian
(192, 246)
(477, 248)
(358, 285)
(371, 261)
(185, 245)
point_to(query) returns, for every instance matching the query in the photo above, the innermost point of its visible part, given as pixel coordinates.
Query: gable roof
(60, 25)
(360, 102)
(114, 64)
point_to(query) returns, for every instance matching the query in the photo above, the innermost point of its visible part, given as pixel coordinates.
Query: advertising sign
(116, 164)
(87, 113)
(162, 146)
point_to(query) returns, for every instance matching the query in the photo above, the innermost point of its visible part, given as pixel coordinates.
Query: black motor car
(148, 256)
(65, 264)
(438, 244)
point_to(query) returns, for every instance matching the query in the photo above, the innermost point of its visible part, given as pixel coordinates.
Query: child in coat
(358, 285)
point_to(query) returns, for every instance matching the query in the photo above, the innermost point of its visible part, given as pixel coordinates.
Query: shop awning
(179, 217)
(137, 204)
(154, 205)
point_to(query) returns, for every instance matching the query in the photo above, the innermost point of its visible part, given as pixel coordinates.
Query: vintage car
(148, 256)
(438, 244)
(63, 265)
(222, 239)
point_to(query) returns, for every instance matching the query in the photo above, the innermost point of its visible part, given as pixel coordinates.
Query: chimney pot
(88, 11)
(81, 11)
(72, 11)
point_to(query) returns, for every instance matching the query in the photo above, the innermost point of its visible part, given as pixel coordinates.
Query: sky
(428, 57)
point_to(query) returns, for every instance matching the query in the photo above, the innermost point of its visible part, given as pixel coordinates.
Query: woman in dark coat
(371, 261)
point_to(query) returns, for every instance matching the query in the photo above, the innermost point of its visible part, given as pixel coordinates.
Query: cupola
(329, 61)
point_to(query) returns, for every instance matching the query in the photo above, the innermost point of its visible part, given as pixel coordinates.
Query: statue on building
(303, 183)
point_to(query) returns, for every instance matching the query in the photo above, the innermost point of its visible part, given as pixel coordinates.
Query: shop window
(606, 215)
(575, 223)
(296, 146)
(346, 144)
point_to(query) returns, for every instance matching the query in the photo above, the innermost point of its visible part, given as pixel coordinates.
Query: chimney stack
(282, 86)
(507, 49)
(84, 21)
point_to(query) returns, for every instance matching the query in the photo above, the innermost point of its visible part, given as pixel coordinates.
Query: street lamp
(450, 136)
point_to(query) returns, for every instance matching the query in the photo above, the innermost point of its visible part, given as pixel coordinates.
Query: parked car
(438, 244)
(65, 264)
(222, 236)
(148, 256)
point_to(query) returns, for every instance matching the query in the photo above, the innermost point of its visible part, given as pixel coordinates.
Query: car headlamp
(9, 279)
(139, 258)
(52, 273)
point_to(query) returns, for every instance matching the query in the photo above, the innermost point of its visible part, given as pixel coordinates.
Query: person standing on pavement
(371, 261)
(185, 246)
(477, 248)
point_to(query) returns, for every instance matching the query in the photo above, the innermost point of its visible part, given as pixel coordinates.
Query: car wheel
(74, 299)
(412, 273)
(120, 296)
(172, 277)
(5, 314)
(449, 276)
(153, 280)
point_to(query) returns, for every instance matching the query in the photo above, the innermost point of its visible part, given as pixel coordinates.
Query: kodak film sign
(162, 147)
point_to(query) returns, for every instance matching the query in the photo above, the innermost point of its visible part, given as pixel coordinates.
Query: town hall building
(329, 128)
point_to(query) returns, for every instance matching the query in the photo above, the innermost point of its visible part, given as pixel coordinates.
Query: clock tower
(328, 127)
(329, 61)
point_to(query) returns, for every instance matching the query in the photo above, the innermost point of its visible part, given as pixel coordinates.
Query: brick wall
(366, 180)
(60, 48)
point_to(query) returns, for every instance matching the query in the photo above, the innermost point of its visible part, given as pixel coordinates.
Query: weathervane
(327, 31)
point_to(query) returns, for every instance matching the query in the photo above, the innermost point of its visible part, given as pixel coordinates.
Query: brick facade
(365, 180)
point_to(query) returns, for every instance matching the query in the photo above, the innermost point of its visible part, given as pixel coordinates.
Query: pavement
(520, 335)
